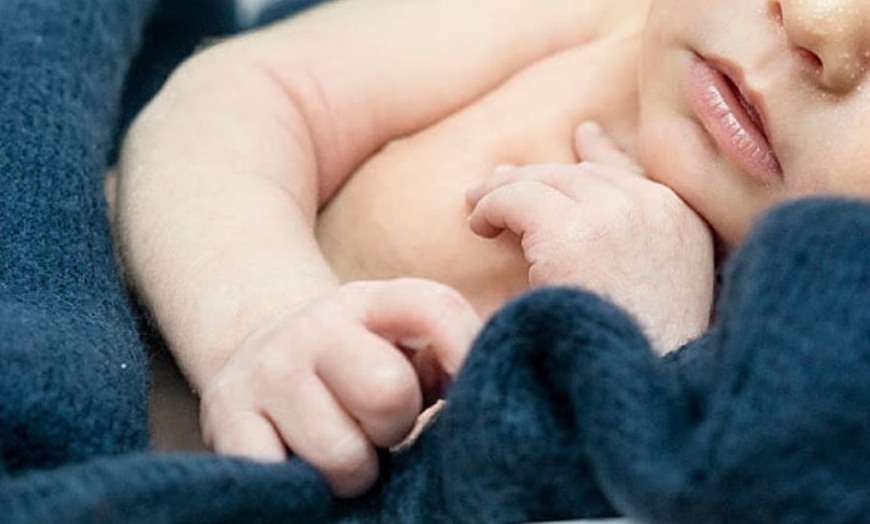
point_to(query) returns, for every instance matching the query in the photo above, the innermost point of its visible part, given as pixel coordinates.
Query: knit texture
(561, 410)
(65, 329)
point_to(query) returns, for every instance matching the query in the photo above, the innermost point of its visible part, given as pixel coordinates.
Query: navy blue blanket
(562, 410)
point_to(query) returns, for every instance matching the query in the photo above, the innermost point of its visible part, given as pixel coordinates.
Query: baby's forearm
(212, 238)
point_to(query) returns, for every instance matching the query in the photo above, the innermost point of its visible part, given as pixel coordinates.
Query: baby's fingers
(305, 417)
(559, 176)
(414, 313)
(319, 430)
(376, 384)
(504, 174)
(244, 432)
(522, 207)
(593, 145)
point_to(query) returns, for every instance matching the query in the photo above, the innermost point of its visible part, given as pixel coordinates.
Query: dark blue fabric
(174, 30)
(281, 8)
(73, 373)
(63, 319)
(560, 411)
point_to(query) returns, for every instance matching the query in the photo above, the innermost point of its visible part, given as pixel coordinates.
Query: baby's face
(746, 103)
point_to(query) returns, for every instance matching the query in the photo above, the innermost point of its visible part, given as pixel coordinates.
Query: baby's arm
(601, 224)
(223, 176)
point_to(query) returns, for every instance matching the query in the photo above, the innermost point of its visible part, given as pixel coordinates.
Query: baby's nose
(834, 34)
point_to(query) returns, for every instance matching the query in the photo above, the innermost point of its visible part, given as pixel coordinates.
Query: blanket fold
(145, 488)
(563, 411)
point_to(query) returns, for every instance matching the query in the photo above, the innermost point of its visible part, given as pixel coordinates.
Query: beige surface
(174, 409)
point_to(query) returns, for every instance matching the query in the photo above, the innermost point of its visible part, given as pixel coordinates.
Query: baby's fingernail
(589, 127)
(501, 168)
(414, 343)
(473, 194)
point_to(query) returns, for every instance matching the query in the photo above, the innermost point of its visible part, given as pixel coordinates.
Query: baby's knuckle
(439, 296)
(448, 298)
(216, 407)
(665, 200)
(356, 287)
(265, 373)
(346, 457)
(216, 397)
(624, 205)
(586, 168)
(394, 389)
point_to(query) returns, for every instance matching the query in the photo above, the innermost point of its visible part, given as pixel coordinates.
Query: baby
(278, 193)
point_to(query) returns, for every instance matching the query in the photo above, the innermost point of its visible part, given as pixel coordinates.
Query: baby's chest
(528, 119)
(403, 212)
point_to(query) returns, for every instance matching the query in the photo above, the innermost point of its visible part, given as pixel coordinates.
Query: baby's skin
(319, 219)
(403, 212)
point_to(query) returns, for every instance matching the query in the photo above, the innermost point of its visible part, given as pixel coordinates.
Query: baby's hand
(601, 224)
(339, 377)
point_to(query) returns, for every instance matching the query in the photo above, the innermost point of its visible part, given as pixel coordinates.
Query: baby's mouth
(731, 118)
(750, 109)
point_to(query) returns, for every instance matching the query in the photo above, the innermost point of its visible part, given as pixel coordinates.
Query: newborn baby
(319, 213)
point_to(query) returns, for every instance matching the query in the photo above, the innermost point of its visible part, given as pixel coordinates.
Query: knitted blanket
(562, 410)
